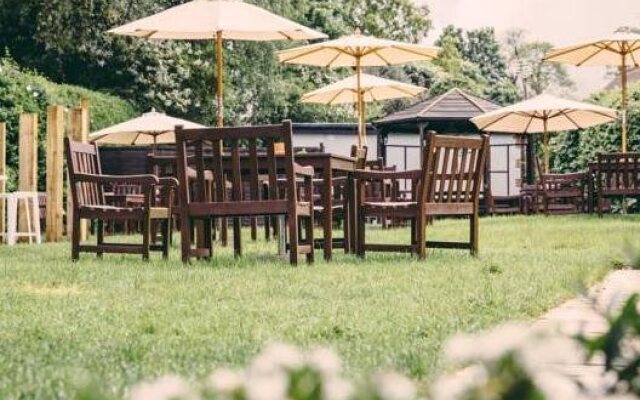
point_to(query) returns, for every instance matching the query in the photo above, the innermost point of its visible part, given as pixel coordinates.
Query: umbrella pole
(623, 78)
(219, 82)
(359, 103)
(545, 140)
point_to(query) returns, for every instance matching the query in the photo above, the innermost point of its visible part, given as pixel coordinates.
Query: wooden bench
(613, 175)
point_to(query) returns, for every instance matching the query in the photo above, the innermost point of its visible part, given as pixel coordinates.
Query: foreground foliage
(121, 321)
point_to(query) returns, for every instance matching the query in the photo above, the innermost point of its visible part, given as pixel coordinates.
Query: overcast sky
(557, 21)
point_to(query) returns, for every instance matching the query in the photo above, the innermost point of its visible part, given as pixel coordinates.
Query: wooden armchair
(615, 175)
(449, 184)
(88, 184)
(241, 165)
(562, 193)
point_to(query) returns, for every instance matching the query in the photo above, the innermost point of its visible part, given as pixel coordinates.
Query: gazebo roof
(454, 105)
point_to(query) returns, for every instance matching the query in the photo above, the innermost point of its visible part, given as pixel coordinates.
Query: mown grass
(120, 320)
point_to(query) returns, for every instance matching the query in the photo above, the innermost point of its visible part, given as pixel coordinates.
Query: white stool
(32, 213)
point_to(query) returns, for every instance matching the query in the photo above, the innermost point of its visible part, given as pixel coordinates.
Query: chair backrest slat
(453, 169)
(84, 158)
(238, 162)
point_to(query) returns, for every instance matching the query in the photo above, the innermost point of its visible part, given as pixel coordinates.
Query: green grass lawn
(120, 319)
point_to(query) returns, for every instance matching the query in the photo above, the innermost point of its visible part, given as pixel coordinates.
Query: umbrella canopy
(544, 114)
(621, 49)
(149, 128)
(358, 51)
(372, 88)
(217, 20)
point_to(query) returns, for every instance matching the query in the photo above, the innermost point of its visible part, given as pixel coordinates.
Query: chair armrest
(303, 171)
(380, 175)
(128, 179)
(167, 181)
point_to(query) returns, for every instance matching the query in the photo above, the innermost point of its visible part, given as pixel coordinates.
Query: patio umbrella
(620, 48)
(149, 128)
(217, 20)
(358, 51)
(372, 88)
(544, 114)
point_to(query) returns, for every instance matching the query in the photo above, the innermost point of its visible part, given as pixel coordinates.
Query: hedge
(572, 151)
(23, 91)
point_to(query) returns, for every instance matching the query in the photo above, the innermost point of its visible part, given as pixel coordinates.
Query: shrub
(24, 91)
(572, 151)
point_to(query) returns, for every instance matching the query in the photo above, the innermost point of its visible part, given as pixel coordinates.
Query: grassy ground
(120, 319)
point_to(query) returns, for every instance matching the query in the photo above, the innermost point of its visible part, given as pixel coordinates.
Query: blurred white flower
(556, 386)
(542, 352)
(276, 356)
(488, 346)
(336, 388)
(391, 385)
(324, 360)
(168, 387)
(457, 385)
(224, 381)
(267, 385)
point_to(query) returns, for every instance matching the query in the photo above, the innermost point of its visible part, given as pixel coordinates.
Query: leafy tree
(527, 65)
(572, 151)
(66, 41)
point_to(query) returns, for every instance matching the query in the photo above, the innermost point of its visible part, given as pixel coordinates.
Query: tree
(482, 49)
(66, 41)
(527, 65)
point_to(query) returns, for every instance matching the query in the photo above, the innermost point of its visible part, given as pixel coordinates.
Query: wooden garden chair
(88, 186)
(449, 184)
(242, 164)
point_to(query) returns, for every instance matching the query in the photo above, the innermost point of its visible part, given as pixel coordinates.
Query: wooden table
(328, 165)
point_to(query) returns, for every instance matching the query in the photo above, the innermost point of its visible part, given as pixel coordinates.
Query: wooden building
(400, 136)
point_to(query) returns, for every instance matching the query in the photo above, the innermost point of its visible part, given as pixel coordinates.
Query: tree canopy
(66, 40)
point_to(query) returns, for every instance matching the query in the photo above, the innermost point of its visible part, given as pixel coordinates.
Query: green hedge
(25, 91)
(572, 151)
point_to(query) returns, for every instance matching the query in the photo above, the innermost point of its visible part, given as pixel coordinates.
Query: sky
(560, 22)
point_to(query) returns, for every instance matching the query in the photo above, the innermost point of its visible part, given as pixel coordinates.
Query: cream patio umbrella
(217, 20)
(544, 114)
(372, 88)
(358, 51)
(621, 49)
(149, 128)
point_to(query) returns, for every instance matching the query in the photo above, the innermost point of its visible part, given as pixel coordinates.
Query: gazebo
(402, 134)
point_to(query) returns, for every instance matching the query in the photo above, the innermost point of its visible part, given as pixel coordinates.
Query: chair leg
(75, 237)
(310, 240)
(185, 237)
(293, 239)
(237, 237)
(254, 228)
(166, 237)
(473, 234)
(146, 237)
(100, 237)
(421, 236)
(267, 228)
(207, 227)
(361, 234)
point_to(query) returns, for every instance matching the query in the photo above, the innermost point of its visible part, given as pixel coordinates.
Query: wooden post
(79, 132)
(3, 173)
(28, 159)
(55, 170)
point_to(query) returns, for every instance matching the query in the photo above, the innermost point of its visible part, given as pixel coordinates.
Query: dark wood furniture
(245, 140)
(561, 193)
(88, 186)
(613, 175)
(449, 184)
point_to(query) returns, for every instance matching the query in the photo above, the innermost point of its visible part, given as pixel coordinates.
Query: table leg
(327, 200)
(282, 237)
(352, 213)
